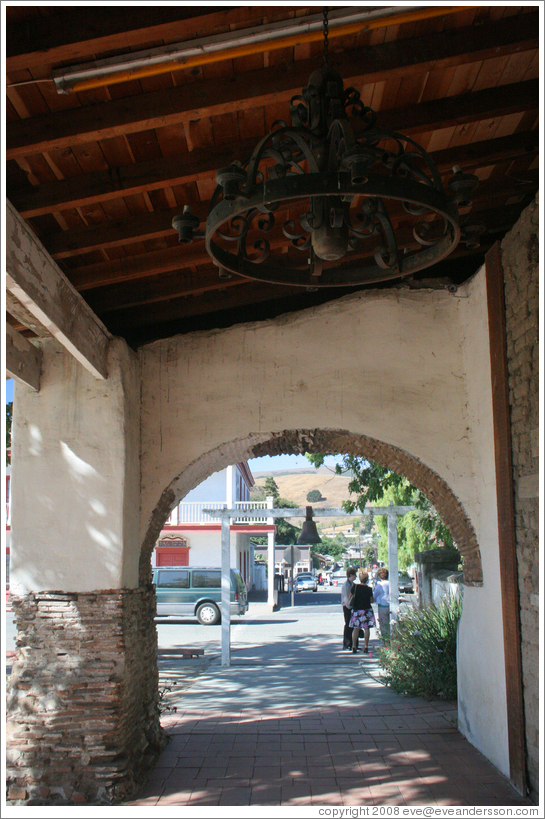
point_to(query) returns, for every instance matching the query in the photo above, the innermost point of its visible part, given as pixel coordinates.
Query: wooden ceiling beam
(464, 108)
(34, 278)
(23, 359)
(170, 106)
(140, 227)
(156, 174)
(158, 224)
(159, 287)
(80, 33)
(247, 294)
(129, 268)
(127, 180)
(148, 291)
(473, 155)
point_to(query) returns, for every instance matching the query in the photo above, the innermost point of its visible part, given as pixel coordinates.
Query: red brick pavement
(344, 756)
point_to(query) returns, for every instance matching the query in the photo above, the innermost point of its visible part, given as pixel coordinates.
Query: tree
(365, 525)
(286, 533)
(417, 531)
(314, 496)
(271, 488)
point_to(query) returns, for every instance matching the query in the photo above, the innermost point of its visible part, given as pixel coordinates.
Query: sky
(279, 463)
(9, 390)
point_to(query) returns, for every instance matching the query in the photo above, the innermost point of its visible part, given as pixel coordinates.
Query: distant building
(281, 565)
(191, 538)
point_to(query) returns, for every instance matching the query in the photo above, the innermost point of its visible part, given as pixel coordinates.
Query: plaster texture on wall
(76, 466)
(482, 704)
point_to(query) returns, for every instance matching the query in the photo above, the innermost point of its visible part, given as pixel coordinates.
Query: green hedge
(421, 658)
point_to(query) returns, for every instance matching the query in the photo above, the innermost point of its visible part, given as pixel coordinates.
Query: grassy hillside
(295, 485)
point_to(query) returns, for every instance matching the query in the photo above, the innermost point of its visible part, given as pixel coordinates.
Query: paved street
(297, 721)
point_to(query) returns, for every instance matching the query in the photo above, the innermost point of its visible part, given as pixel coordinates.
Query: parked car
(305, 582)
(405, 584)
(195, 591)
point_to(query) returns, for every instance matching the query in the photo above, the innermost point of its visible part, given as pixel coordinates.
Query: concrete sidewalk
(298, 722)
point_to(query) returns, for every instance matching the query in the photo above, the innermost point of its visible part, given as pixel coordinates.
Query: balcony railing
(251, 505)
(191, 512)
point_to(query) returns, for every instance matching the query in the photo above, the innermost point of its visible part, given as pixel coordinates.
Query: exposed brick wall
(520, 259)
(83, 718)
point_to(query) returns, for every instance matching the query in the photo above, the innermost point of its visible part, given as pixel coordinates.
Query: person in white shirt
(381, 596)
(346, 594)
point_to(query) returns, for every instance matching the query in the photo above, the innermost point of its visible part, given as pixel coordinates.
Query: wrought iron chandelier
(358, 205)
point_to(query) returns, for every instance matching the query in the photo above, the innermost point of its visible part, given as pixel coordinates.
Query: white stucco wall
(482, 703)
(76, 446)
(214, 488)
(409, 368)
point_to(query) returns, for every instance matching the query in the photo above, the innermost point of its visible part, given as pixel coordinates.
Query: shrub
(421, 658)
(314, 496)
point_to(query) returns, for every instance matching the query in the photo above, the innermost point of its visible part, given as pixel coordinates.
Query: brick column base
(83, 717)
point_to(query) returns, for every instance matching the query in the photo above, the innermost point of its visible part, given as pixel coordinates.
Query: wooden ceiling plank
(490, 72)
(171, 140)
(198, 100)
(116, 152)
(172, 171)
(93, 30)
(225, 129)
(520, 66)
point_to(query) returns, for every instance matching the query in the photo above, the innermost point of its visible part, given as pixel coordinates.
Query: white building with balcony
(192, 538)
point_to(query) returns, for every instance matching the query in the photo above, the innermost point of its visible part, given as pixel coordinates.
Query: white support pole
(393, 564)
(292, 579)
(271, 544)
(270, 569)
(225, 589)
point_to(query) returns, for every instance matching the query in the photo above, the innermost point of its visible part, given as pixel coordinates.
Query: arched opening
(292, 442)
(329, 441)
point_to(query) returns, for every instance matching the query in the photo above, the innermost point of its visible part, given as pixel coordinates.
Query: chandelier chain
(326, 37)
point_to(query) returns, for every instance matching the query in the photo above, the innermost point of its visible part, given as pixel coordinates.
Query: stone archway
(292, 442)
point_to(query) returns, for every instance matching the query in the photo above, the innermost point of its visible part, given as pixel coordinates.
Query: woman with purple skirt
(362, 612)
